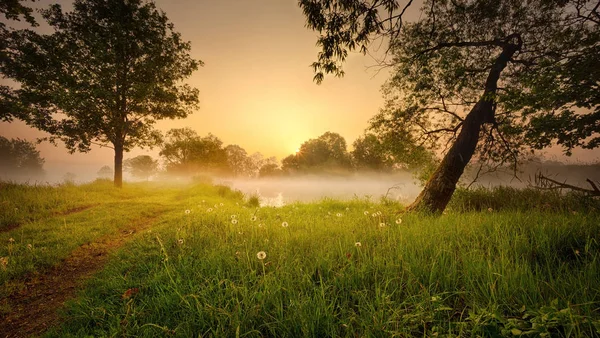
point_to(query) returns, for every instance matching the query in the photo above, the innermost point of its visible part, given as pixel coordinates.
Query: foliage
(327, 152)
(110, 70)
(11, 10)
(19, 158)
(142, 166)
(186, 153)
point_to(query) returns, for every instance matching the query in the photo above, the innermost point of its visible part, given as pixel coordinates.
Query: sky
(256, 87)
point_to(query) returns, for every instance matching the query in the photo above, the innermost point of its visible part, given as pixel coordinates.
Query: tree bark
(439, 189)
(118, 181)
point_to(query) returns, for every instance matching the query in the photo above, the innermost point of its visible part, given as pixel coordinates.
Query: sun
(297, 150)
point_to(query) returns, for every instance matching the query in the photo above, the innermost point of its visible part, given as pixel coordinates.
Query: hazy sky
(256, 87)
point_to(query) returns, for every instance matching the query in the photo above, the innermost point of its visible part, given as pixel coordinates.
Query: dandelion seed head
(284, 224)
(234, 221)
(366, 213)
(209, 210)
(233, 216)
(261, 255)
(399, 221)
(253, 218)
(381, 225)
(260, 225)
(188, 211)
(357, 244)
(339, 214)
(221, 204)
(11, 240)
(180, 241)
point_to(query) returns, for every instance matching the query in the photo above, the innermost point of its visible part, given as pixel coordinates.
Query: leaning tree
(110, 70)
(490, 78)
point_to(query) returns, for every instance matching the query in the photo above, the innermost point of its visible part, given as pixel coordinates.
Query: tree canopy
(514, 74)
(327, 152)
(19, 158)
(142, 166)
(110, 70)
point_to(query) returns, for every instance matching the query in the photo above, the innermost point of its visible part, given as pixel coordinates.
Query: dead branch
(546, 183)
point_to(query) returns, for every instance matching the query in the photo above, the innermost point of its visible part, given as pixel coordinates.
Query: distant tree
(187, 153)
(270, 169)
(105, 172)
(11, 10)
(142, 166)
(326, 152)
(110, 70)
(511, 74)
(237, 160)
(19, 157)
(368, 153)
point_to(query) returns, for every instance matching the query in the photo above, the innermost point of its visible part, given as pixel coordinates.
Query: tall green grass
(333, 269)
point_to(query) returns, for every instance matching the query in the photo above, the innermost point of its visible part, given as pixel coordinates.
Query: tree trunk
(118, 165)
(439, 189)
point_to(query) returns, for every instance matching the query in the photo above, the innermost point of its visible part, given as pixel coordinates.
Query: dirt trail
(34, 307)
(13, 226)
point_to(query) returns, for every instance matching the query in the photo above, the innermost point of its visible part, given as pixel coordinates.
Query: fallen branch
(547, 183)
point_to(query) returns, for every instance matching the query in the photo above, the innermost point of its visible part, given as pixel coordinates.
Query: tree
(237, 160)
(187, 153)
(328, 151)
(475, 69)
(111, 69)
(11, 10)
(142, 166)
(19, 157)
(105, 172)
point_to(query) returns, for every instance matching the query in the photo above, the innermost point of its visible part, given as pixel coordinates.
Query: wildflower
(357, 244)
(348, 255)
(347, 208)
(339, 214)
(260, 225)
(221, 204)
(261, 255)
(11, 240)
(180, 241)
(490, 209)
(233, 216)
(188, 211)
(577, 252)
(284, 224)
(3, 262)
(130, 293)
(29, 246)
(366, 213)
(253, 218)
(234, 221)
(435, 299)
(399, 221)
(216, 206)
(381, 225)
(209, 210)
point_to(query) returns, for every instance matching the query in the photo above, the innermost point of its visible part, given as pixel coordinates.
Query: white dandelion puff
(188, 211)
(180, 241)
(284, 224)
(381, 225)
(253, 218)
(339, 214)
(221, 204)
(261, 255)
(234, 221)
(233, 216)
(399, 221)
(260, 225)
(366, 213)
(357, 244)
(209, 210)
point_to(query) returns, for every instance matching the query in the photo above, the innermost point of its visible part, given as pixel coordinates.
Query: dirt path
(13, 226)
(34, 308)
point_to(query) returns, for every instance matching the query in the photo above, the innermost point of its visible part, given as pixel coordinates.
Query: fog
(401, 186)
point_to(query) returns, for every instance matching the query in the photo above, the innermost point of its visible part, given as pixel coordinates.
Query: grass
(333, 269)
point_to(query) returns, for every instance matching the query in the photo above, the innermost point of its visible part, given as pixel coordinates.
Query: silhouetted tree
(110, 70)
(142, 166)
(328, 151)
(510, 73)
(19, 157)
(237, 160)
(368, 153)
(187, 153)
(105, 172)
(11, 10)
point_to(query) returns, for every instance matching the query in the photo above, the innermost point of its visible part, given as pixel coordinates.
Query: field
(202, 260)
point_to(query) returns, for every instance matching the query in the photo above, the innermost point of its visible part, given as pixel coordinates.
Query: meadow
(207, 261)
